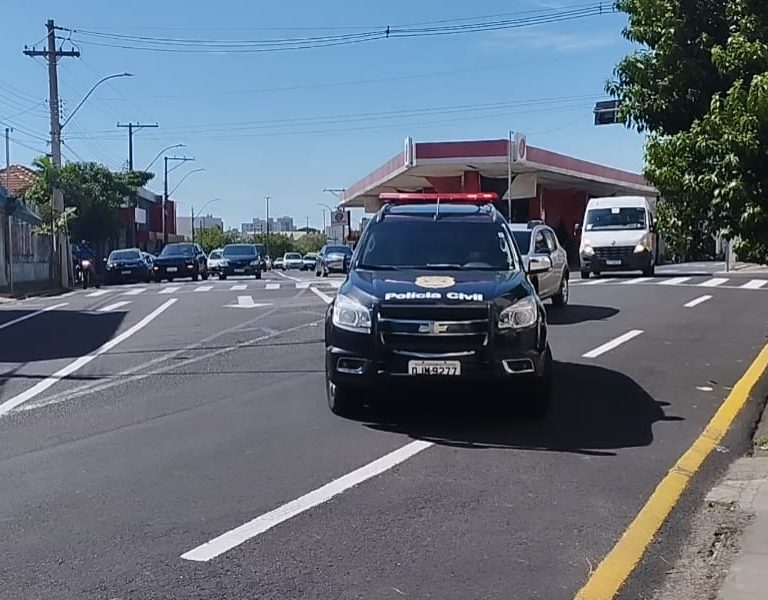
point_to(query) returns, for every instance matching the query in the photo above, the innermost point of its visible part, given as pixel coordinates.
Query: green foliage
(215, 237)
(278, 245)
(312, 242)
(700, 87)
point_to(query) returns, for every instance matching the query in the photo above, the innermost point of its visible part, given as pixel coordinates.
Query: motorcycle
(86, 272)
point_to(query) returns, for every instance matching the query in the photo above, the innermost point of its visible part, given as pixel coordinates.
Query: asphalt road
(140, 423)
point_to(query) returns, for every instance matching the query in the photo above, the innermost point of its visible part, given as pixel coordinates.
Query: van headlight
(520, 315)
(586, 248)
(254, 263)
(349, 314)
(641, 247)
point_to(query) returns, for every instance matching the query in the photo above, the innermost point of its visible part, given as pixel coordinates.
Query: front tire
(258, 275)
(561, 298)
(650, 271)
(341, 399)
(539, 394)
(585, 274)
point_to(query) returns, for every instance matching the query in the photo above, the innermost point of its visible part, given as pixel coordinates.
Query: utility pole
(52, 55)
(193, 223)
(8, 191)
(133, 128)
(266, 245)
(165, 192)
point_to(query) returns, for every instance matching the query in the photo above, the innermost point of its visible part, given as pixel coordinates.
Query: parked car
(292, 260)
(277, 263)
(333, 258)
(178, 261)
(128, 265)
(538, 242)
(240, 259)
(215, 261)
(309, 261)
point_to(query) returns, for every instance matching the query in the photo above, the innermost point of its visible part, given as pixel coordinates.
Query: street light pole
(8, 192)
(266, 245)
(165, 191)
(199, 213)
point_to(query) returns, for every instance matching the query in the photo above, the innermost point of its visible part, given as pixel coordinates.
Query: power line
(427, 29)
(18, 142)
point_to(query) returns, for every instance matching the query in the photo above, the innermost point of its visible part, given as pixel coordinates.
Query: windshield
(615, 218)
(523, 239)
(215, 254)
(429, 244)
(178, 250)
(124, 255)
(240, 250)
(292, 256)
(338, 250)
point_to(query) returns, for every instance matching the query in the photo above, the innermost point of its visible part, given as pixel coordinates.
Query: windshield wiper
(378, 267)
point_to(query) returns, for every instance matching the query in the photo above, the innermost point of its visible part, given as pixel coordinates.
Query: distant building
(257, 225)
(184, 224)
(283, 224)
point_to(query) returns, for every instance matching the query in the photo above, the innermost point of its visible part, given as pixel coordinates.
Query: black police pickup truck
(437, 292)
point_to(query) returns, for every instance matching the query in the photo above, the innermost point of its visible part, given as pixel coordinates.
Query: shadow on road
(595, 411)
(579, 313)
(55, 334)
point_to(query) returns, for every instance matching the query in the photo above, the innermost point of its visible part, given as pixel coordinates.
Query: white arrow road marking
(80, 362)
(135, 292)
(697, 301)
(245, 302)
(34, 314)
(262, 523)
(114, 306)
(615, 343)
(97, 293)
(169, 290)
(322, 295)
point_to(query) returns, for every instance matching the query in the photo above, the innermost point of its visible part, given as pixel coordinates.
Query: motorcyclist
(86, 253)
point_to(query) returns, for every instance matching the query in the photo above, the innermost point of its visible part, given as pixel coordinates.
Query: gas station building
(545, 185)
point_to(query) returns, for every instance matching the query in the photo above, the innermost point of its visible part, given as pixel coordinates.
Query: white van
(618, 234)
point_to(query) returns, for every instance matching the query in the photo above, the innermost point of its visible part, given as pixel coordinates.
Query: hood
(614, 237)
(437, 286)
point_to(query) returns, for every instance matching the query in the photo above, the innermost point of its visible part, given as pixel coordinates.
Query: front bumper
(600, 261)
(173, 271)
(119, 274)
(230, 270)
(336, 266)
(364, 360)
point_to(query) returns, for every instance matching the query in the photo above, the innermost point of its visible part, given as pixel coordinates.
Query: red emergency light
(455, 198)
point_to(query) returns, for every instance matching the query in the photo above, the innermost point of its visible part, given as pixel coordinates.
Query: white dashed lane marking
(697, 301)
(169, 290)
(615, 343)
(135, 292)
(114, 306)
(97, 293)
(675, 281)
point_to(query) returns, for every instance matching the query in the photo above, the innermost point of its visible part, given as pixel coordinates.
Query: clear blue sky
(237, 113)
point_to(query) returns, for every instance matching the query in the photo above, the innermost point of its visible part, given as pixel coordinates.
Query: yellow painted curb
(614, 570)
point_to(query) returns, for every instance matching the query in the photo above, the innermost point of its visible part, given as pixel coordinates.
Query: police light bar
(403, 198)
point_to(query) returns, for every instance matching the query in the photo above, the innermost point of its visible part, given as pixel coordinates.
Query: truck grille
(614, 252)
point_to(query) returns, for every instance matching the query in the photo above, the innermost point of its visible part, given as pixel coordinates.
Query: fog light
(518, 366)
(352, 366)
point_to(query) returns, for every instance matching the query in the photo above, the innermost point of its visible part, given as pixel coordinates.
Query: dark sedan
(178, 261)
(240, 259)
(333, 258)
(127, 265)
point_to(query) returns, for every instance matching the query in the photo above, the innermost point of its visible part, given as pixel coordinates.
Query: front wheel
(585, 274)
(539, 394)
(561, 298)
(650, 271)
(258, 275)
(341, 400)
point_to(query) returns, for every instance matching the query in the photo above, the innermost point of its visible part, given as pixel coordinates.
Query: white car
(292, 260)
(215, 261)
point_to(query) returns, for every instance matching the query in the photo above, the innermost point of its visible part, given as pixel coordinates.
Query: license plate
(239, 270)
(613, 263)
(126, 272)
(434, 367)
(171, 269)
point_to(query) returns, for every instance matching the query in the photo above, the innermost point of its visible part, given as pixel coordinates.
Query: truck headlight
(520, 315)
(349, 314)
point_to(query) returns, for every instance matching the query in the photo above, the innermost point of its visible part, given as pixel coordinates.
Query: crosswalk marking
(636, 280)
(239, 287)
(97, 293)
(335, 283)
(114, 306)
(135, 292)
(169, 290)
(754, 284)
(273, 286)
(675, 281)
(302, 286)
(714, 282)
(204, 288)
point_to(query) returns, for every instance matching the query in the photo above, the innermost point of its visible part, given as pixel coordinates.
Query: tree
(312, 242)
(215, 237)
(278, 245)
(41, 193)
(700, 88)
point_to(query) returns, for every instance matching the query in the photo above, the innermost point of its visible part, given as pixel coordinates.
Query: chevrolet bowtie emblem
(434, 328)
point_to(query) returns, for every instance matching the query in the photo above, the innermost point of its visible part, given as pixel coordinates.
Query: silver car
(215, 261)
(538, 242)
(292, 260)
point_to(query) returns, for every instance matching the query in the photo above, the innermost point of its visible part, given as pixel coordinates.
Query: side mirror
(539, 264)
(577, 229)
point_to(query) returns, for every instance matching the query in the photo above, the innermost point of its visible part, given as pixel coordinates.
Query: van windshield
(603, 219)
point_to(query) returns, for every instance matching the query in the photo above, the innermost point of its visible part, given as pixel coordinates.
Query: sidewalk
(29, 291)
(746, 269)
